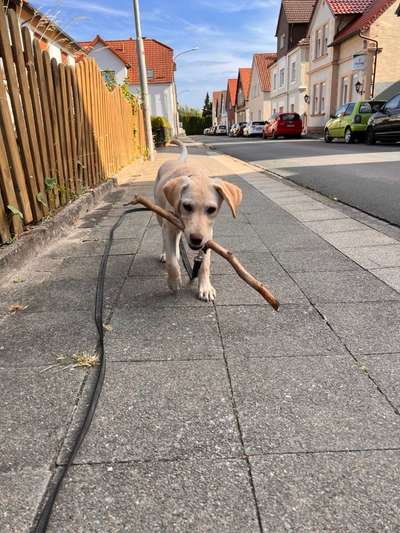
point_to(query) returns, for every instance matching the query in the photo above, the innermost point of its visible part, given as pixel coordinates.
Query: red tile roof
(369, 16)
(298, 11)
(231, 91)
(263, 62)
(244, 80)
(159, 58)
(216, 95)
(349, 7)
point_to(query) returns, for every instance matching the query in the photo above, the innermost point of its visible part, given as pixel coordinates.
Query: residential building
(216, 99)
(242, 95)
(260, 86)
(231, 101)
(289, 73)
(352, 56)
(52, 38)
(222, 117)
(117, 59)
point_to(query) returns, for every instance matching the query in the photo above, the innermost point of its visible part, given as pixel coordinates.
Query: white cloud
(90, 7)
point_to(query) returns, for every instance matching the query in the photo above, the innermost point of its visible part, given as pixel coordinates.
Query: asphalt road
(365, 177)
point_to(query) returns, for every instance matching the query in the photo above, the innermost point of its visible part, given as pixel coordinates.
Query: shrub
(194, 125)
(162, 131)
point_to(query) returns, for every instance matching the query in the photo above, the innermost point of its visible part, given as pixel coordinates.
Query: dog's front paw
(207, 293)
(175, 283)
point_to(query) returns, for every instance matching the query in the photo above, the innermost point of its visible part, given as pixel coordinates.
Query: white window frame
(281, 77)
(293, 72)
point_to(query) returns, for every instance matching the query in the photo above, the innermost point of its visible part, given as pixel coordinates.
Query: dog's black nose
(196, 240)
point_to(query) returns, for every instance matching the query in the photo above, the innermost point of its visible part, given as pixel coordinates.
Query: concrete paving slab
(259, 331)
(332, 492)
(173, 410)
(324, 213)
(37, 339)
(308, 404)
(92, 248)
(356, 239)
(182, 496)
(263, 262)
(231, 290)
(292, 237)
(35, 409)
(79, 268)
(20, 496)
(147, 266)
(246, 243)
(366, 328)
(147, 333)
(391, 276)
(373, 257)
(318, 260)
(385, 371)
(350, 286)
(323, 227)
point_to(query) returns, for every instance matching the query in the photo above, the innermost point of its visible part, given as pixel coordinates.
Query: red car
(283, 125)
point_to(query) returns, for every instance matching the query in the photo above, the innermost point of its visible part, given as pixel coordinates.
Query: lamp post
(143, 80)
(194, 49)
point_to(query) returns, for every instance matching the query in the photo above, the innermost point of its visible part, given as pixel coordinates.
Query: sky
(227, 33)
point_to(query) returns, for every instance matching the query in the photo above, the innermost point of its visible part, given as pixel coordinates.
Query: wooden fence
(62, 131)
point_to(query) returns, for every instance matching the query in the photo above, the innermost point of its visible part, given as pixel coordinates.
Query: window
(282, 77)
(317, 44)
(275, 80)
(259, 115)
(109, 76)
(325, 36)
(315, 101)
(282, 40)
(322, 96)
(341, 110)
(365, 108)
(349, 109)
(293, 72)
(345, 90)
(150, 73)
(394, 103)
(292, 108)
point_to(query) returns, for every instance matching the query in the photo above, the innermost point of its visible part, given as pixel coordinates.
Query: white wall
(259, 101)
(106, 60)
(162, 100)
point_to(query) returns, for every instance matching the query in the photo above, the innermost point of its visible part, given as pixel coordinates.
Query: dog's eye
(187, 207)
(211, 210)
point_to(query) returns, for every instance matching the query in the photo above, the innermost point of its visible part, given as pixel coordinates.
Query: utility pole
(143, 80)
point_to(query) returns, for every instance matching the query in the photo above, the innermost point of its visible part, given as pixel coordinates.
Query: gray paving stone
(20, 495)
(36, 339)
(154, 292)
(172, 410)
(239, 243)
(231, 290)
(182, 496)
(35, 408)
(93, 248)
(318, 260)
(259, 331)
(385, 370)
(162, 333)
(324, 213)
(147, 265)
(350, 286)
(350, 239)
(329, 492)
(366, 328)
(305, 404)
(334, 226)
(230, 228)
(292, 237)
(372, 257)
(391, 276)
(87, 268)
(263, 262)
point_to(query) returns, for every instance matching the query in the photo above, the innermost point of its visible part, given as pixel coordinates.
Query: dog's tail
(184, 152)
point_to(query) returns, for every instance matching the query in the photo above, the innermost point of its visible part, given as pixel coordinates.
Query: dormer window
(150, 73)
(282, 40)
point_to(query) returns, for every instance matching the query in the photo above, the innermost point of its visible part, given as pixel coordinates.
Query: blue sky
(227, 33)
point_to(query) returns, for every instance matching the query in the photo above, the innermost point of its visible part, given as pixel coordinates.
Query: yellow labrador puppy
(196, 199)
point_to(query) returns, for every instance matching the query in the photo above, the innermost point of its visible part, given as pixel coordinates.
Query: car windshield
(258, 123)
(288, 117)
(222, 127)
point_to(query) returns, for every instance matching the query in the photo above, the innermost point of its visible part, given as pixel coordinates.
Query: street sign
(359, 61)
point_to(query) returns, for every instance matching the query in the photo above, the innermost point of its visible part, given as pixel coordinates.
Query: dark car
(283, 125)
(385, 124)
(240, 129)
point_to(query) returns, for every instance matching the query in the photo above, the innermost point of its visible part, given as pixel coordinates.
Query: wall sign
(359, 61)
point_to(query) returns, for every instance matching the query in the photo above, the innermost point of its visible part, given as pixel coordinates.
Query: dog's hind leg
(172, 237)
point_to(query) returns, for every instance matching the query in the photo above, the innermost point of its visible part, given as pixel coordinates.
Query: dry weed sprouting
(14, 308)
(77, 360)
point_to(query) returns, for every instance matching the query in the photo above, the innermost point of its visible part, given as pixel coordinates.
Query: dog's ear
(230, 193)
(173, 190)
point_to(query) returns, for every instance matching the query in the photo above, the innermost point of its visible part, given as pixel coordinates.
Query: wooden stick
(212, 245)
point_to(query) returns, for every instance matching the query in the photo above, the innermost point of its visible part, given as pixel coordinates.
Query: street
(365, 177)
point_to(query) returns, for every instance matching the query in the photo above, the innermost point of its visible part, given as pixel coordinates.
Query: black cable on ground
(47, 507)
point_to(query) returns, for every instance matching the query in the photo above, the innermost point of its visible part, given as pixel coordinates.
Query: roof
(298, 11)
(88, 45)
(159, 58)
(244, 79)
(231, 91)
(389, 92)
(363, 22)
(263, 62)
(215, 98)
(349, 7)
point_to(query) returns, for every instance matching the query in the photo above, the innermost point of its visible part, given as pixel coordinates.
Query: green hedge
(162, 131)
(195, 125)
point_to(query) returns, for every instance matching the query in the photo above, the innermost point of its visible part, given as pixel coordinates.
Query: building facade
(242, 95)
(231, 90)
(260, 87)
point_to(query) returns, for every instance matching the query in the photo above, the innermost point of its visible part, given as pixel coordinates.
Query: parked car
(384, 125)
(212, 130)
(254, 128)
(350, 121)
(206, 131)
(221, 130)
(232, 130)
(240, 129)
(283, 125)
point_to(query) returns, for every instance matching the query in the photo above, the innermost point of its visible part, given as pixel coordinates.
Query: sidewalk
(220, 418)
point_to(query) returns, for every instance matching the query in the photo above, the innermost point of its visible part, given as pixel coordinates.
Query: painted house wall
(106, 60)
(279, 92)
(297, 82)
(259, 100)
(162, 100)
(55, 49)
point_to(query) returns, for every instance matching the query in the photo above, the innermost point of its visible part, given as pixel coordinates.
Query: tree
(207, 108)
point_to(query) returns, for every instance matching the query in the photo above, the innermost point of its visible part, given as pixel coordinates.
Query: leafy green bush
(194, 125)
(162, 131)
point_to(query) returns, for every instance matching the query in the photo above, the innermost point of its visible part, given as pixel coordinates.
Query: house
(51, 37)
(289, 73)
(222, 117)
(260, 86)
(352, 56)
(216, 97)
(117, 59)
(242, 95)
(231, 90)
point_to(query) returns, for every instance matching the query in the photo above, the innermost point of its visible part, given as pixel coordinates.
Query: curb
(16, 254)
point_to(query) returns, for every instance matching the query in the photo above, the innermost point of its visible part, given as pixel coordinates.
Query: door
(385, 124)
(345, 119)
(334, 125)
(394, 116)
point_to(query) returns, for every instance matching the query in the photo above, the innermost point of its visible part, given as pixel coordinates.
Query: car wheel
(348, 136)
(370, 136)
(327, 137)
(274, 135)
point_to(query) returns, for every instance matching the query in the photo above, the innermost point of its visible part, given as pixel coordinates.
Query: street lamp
(359, 88)
(186, 52)
(306, 98)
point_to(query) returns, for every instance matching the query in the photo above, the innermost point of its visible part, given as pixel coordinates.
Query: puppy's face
(197, 201)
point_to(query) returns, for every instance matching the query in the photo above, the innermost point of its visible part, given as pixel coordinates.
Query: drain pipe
(375, 60)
